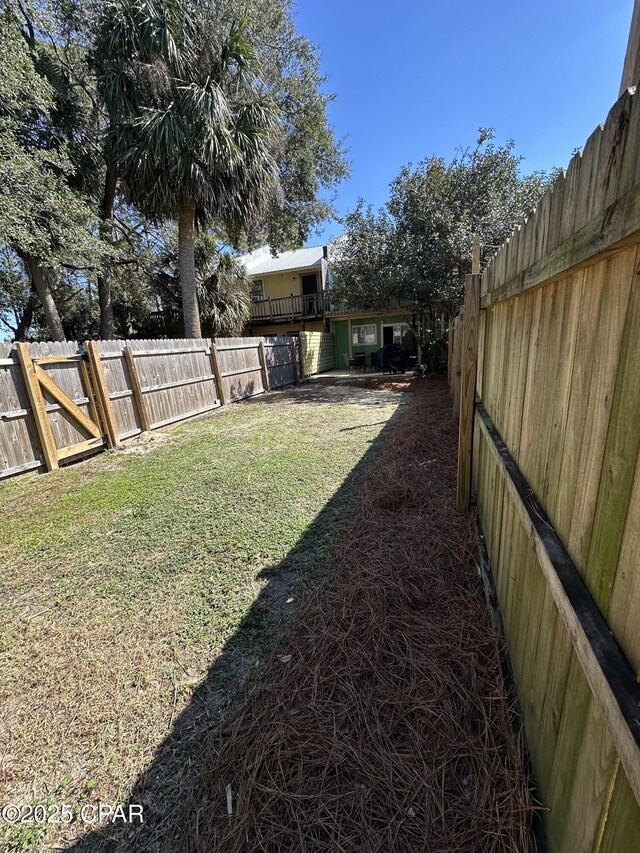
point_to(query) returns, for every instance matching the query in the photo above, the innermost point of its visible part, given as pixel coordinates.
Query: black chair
(352, 361)
(359, 360)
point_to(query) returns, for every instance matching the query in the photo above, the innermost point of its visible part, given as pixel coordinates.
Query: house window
(394, 333)
(257, 290)
(363, 335)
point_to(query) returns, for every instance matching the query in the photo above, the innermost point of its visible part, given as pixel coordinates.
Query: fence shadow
(165, 787)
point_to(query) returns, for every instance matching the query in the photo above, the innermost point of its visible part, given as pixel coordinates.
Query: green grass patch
(127, 577)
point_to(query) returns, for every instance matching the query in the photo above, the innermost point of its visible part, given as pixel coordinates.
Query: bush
(435, 355)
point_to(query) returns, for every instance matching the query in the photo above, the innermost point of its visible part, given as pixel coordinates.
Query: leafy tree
(17, 299)
(44, 220)
(98, 236)
(414, 253)
(311, 161)
(191, 135)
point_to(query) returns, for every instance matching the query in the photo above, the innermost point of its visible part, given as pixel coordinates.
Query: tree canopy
(121, 92)
(190, 133)
(415, 251)
(46, 220)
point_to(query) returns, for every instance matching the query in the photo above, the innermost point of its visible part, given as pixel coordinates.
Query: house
(366, 331)
(289, 291)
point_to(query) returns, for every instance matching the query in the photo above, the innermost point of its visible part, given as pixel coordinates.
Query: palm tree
(191, 136)
(222, 287)
(223, 290)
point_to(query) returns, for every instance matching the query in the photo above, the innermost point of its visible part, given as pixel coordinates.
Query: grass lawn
(125, 579)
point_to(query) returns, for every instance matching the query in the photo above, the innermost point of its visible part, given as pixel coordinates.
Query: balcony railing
(293, 307)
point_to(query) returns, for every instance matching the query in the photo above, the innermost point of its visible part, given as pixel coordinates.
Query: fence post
(475, 255)
(40, 416)
(136, 389)
(217, 373)
(263, 365)
(301, 340)
(450, 344)
(88, 387)
(468, 367)
(456, 367)
(294, 361)
(102, 393)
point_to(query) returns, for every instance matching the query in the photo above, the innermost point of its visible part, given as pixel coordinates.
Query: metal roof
(262, 262)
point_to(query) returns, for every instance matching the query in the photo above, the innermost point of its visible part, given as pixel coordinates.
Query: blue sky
(418, 78)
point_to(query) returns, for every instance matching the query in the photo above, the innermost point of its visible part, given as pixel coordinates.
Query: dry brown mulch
(382, 723)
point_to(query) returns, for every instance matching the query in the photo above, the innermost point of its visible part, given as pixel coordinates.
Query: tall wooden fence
(556, 471)
(317, 352)
(59, 401)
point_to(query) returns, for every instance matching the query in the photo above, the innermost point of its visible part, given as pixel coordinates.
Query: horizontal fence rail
(61, 401)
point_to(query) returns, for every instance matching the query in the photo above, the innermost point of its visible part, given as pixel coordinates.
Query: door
(309, 287)
(399, 333)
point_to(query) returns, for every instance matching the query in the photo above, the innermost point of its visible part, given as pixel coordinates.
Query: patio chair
(349, 361)
(359, 360)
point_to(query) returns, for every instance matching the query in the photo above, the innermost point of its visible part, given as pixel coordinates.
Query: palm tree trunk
(188, 270)
(40, 280)
(104, 279)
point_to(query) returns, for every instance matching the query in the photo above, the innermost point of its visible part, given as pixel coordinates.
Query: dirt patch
(373, 383)
(146, 442)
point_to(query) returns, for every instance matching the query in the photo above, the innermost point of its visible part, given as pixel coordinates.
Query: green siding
(342, 333)
(342, 341)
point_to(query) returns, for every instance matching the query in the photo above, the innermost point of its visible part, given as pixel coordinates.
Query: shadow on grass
(166, 787)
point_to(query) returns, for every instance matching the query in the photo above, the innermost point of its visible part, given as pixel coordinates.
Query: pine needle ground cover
(154, 579)
(381, 723)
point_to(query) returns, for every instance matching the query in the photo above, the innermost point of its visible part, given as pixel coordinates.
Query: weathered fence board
(176, 380)
(282, 356)
(122, 388)
(240, 368)
(20, 449)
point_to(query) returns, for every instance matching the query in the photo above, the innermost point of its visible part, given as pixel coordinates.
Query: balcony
(284, 309)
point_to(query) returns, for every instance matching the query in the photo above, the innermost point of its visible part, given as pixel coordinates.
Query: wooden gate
(71, 424)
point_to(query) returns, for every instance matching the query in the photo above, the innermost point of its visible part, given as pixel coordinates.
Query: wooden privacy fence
(59, 401)
(317, 352)
(555, 430)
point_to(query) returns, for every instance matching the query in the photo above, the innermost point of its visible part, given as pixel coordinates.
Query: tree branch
(91, 267)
